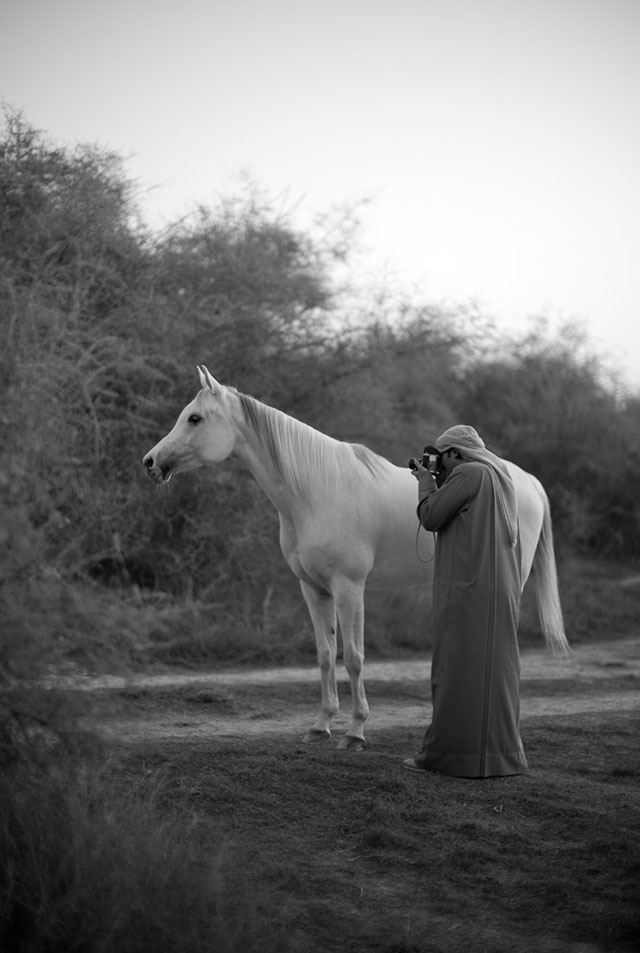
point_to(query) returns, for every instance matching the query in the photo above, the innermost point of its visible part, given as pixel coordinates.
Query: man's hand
(427, 482)
(417, 469)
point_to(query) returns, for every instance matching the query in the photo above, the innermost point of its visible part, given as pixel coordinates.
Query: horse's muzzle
(158, 474)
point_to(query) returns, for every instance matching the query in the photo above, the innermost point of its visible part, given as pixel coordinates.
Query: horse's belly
(408, 563)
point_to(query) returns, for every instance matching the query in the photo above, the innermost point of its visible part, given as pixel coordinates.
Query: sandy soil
(601, 677)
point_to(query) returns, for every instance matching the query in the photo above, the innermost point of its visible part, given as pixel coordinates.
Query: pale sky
(498, 139)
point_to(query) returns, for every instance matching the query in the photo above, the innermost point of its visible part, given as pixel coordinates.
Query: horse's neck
(269, 443)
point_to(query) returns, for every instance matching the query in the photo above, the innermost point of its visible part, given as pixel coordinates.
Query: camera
(431, 459)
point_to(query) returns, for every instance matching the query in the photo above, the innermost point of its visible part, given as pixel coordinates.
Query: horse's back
(532, 504)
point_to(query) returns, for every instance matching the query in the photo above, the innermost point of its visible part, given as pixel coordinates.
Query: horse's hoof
(349, 743)
(317, 736)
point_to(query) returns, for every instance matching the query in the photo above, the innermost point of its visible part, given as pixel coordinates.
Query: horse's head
(202, 435)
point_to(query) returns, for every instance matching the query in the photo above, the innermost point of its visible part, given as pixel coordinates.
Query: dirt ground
(347, 852)
(602, 677)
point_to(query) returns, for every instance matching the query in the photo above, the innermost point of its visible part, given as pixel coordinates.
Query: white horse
(347, 519)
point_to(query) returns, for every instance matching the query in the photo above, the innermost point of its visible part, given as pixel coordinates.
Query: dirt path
(601, 677)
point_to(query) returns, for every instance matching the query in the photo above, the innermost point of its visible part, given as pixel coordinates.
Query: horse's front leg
(322, 609)
(350, 605)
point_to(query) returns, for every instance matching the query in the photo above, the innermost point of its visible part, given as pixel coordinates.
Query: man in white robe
(475, 675)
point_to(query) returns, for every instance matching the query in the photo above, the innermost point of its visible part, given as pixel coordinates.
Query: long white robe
(475, 678)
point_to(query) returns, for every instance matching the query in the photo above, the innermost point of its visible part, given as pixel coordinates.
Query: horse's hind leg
(350, 604)
(322, 609)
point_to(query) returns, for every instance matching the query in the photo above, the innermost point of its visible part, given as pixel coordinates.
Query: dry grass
(90, 864)
(349, 853)
(262, 844)
(101, 630)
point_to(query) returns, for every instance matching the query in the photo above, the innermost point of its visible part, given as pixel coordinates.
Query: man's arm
(438, 506)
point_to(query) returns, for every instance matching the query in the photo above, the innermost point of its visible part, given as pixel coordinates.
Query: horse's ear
(206, 380)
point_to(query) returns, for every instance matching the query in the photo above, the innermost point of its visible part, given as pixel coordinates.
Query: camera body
(431, 459)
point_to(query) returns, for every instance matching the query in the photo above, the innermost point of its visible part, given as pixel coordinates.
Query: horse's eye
(194, 418)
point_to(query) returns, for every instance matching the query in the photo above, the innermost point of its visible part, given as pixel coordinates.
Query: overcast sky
(499, 140)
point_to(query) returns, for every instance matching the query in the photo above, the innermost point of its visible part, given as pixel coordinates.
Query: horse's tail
(545, 579)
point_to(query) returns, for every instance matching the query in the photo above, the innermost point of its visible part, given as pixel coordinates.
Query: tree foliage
(102, 323)
(546, 404)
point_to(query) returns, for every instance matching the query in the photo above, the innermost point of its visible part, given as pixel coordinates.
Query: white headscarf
(471, 446)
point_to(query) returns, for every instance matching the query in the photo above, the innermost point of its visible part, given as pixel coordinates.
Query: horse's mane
(304, 456)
